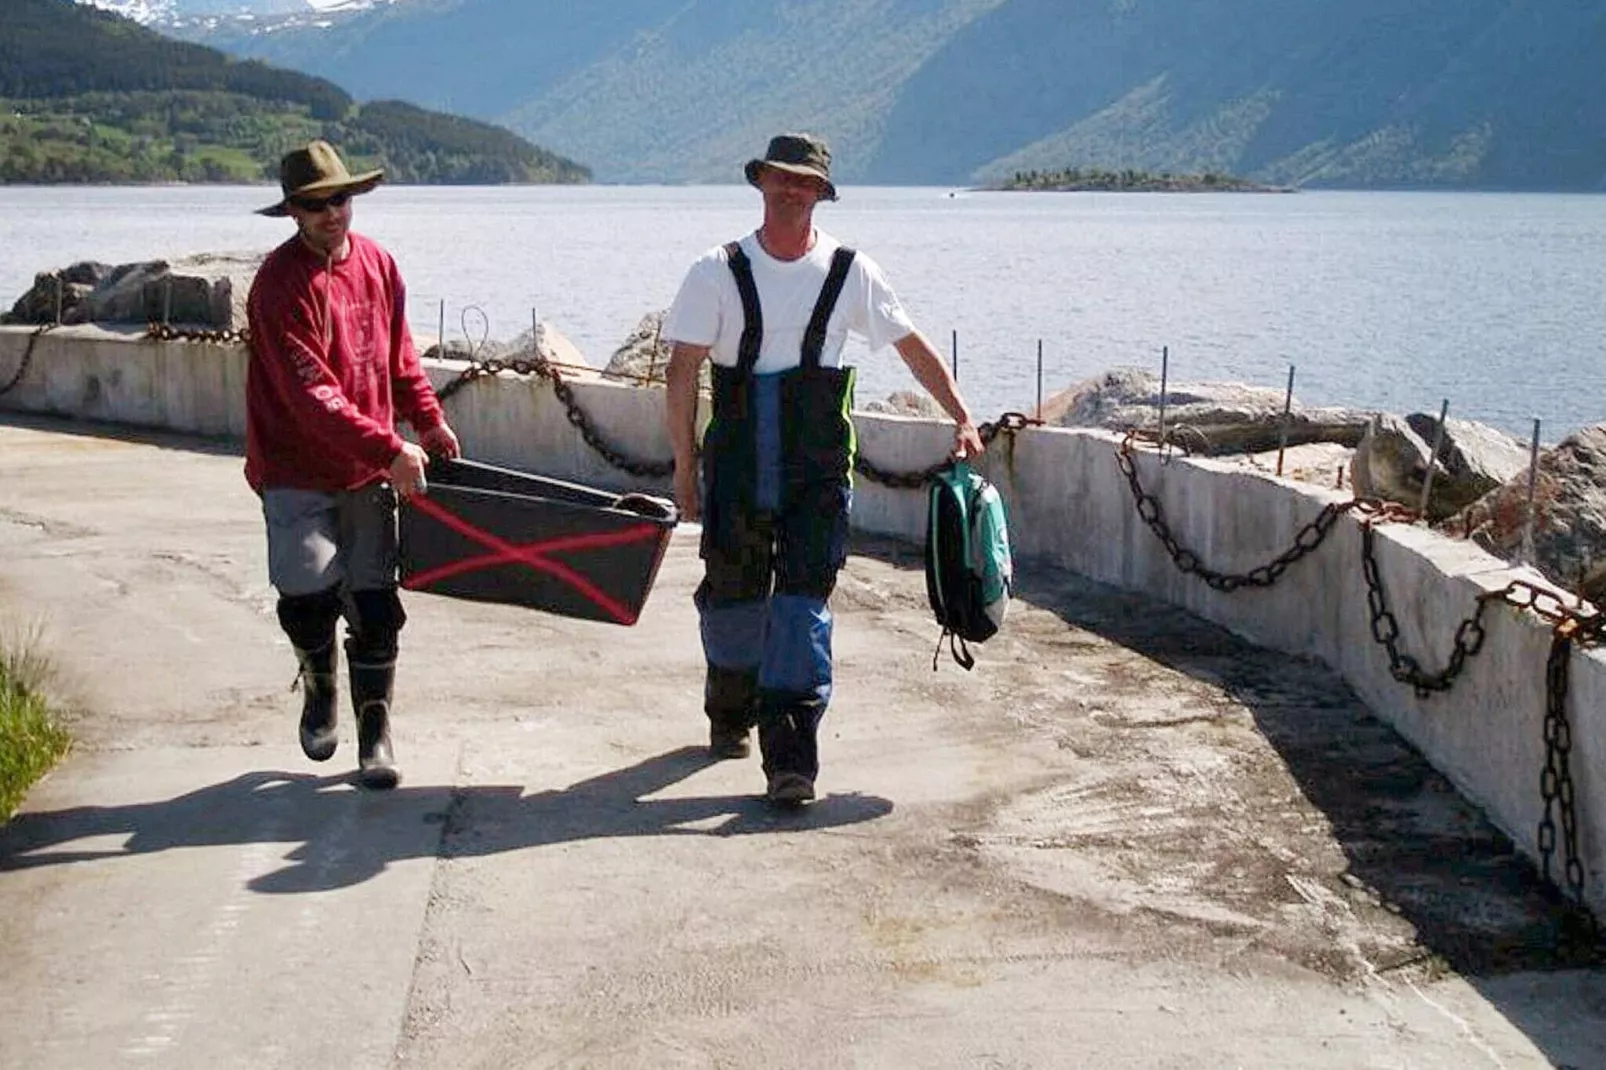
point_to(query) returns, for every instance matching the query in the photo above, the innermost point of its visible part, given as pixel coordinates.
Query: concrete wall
(1068, 503)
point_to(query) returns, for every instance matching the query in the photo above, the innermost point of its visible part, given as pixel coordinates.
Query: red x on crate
(633, 574)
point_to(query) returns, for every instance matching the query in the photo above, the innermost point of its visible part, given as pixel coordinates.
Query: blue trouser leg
(766, 624)
(794, 684)
(732, 611)
(795, 678)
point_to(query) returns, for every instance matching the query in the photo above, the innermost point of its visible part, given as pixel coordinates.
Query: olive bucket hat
(316, 170)
(801, 154)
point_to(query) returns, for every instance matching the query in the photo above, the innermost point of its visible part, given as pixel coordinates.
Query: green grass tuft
(30, 740)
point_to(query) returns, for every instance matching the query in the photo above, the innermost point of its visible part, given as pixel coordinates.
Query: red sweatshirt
(332, 366)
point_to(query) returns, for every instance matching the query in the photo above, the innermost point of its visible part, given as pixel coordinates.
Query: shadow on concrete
(188, 442)
(1412, 844)
(347, 835)
(1475, 901)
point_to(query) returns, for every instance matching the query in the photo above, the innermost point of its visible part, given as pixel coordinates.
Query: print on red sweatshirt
(332, 367)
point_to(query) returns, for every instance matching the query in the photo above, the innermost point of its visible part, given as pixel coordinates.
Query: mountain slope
(93, 97)
(1368, 92)
(1454, 93)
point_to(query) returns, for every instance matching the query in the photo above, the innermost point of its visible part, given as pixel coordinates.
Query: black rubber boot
(371, 686)
(319, 736)
(787, 738)
(730, 698)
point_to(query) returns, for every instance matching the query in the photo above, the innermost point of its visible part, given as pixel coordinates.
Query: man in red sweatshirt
(332, 367)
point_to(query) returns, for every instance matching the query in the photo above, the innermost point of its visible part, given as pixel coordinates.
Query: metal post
(1288, 406)
(956, 355)
(440, 337)
(535, 336)
(1165, 371)
(1433, 456)
(1039, 378)
(1533, 487)
(167, 300)
(59, 298)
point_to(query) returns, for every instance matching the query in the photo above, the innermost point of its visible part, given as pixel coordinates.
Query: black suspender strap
(752, 314)
(814, 337)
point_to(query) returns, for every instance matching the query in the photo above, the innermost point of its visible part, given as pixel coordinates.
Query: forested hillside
(90, 97)
(1498, 94)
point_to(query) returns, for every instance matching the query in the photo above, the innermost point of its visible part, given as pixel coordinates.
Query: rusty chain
(542, 368)
(1008, 423)
(1556, 782)
(1469, 634)
(27, 359)
(1306, 540)
(166, 332)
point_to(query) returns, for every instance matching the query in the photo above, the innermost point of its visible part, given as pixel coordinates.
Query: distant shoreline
(1076, 180)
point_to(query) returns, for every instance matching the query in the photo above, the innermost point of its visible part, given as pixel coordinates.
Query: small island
(1093, 179)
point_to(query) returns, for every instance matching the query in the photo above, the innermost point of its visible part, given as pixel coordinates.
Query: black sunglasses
(318, 204)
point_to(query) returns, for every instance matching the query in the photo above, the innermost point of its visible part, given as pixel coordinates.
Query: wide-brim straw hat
(316, 170)
(801, 154)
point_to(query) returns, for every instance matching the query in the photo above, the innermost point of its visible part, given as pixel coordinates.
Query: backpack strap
(814, 337)
(752, 313)
(957, 647)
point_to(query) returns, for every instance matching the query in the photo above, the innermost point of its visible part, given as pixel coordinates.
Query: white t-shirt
(708, 309)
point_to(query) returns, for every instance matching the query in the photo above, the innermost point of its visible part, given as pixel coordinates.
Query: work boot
(729, 741)
(371, 686)
(789, 790)
(730, 698)
(786, 737)
(319, 735)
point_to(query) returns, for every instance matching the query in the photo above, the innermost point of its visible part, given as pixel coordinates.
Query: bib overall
(777, 487)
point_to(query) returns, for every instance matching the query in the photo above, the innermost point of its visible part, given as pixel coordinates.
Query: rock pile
(207, 291)
(1212, 419)
(1569, 521)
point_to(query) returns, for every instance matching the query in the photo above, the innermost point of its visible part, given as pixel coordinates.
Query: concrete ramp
(1127, 839)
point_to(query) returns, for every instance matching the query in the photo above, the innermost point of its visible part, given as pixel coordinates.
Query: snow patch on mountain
(174, 12)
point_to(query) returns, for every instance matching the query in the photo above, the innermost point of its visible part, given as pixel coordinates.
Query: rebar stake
(1433, 457)
(1039, 378)
(1165, 371)
(1282, 434)
(1533, 487)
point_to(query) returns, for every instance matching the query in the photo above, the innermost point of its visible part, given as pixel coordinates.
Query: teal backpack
(969, 572)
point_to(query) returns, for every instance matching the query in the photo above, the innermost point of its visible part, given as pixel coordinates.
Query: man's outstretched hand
(441, 441)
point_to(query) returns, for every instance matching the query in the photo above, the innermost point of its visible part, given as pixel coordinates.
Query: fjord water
(1391, 301)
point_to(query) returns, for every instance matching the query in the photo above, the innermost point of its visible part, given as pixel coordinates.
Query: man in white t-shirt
(773, 311)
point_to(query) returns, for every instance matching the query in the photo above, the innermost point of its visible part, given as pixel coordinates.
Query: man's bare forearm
(932, 374)
(681, 380)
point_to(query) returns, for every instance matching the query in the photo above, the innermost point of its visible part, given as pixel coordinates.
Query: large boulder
(1569, 522)
(58, 293)
(1208, 418)
(1473, 459)
(908, 403)
(1391, 462)
(206, 291)
(552, 345)
(643, 356)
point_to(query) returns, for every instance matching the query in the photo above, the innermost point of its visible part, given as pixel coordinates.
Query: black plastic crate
(497, 535)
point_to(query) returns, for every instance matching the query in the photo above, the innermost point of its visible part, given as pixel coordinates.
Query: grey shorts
(317, 540)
